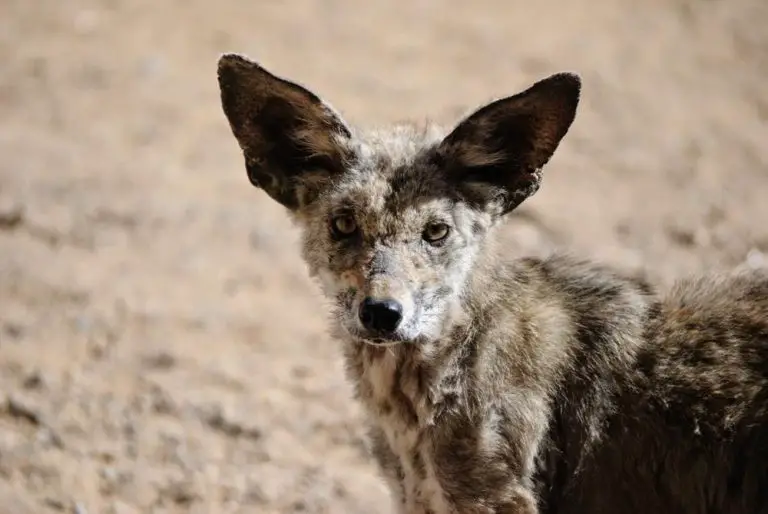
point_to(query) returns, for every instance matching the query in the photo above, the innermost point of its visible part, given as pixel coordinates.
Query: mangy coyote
(495, 385)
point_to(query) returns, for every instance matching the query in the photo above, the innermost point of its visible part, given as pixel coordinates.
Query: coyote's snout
(496, 385)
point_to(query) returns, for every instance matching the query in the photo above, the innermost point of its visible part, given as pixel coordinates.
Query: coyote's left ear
(291, 139)
(496, 154)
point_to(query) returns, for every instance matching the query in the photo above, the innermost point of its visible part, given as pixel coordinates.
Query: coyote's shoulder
(502, 385)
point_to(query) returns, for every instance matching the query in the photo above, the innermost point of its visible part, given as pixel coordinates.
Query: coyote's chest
(397, 392)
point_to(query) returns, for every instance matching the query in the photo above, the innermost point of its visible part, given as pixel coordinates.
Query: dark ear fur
(496, 154)
(290, 137)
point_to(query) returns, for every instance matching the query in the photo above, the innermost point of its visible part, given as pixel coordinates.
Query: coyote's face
(392, 221)
(392, 241)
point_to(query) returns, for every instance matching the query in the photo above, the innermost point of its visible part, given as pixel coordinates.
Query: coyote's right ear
(289, 136)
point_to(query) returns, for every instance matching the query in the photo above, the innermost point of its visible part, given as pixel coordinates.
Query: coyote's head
(392, 221)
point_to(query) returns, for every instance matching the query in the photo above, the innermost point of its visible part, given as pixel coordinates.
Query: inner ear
(291, 139)
(496, 154)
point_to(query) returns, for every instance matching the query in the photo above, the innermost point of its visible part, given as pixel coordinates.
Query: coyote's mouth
(383, 343)
(373, 339)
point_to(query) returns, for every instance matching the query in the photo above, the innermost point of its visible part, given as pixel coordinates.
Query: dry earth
(161, 349)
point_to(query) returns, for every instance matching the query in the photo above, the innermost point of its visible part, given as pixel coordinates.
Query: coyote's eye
(435, 232)
(343, 226)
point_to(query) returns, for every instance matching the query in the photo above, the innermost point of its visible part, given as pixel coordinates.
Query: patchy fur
(508, 386)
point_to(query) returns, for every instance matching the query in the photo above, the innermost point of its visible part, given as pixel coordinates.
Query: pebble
(11, 215)
(86, 21)
(756, 259)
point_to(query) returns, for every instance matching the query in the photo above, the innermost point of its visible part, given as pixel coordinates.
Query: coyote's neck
(410, 382)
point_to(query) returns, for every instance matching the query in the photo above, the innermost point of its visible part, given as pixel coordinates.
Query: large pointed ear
(496, 154)
(292, 140)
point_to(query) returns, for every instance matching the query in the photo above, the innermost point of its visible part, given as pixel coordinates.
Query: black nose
(381, 315)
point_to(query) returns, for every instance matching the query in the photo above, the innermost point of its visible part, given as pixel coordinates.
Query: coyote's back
(688, 429)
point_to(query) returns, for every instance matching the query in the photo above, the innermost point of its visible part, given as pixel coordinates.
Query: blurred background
(161, 348)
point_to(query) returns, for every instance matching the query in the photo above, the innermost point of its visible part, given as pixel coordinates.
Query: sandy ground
(161, 348)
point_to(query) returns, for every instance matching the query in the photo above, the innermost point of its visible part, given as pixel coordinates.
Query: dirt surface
(161, 348)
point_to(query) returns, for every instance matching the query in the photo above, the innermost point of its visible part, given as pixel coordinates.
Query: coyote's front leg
(485, 462)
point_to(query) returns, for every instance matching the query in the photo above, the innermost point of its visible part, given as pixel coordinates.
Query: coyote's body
(495, 385)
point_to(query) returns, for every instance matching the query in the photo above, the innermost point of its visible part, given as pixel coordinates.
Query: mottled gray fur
(501, 385)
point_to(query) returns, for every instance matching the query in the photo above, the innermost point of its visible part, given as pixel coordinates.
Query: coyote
(500, 385)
